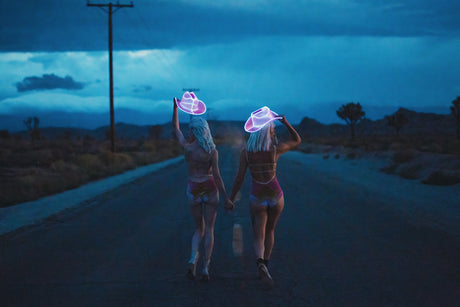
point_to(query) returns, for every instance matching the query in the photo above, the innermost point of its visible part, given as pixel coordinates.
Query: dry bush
(411, 171)
(116, 162)
(67, 163)
(39, 183)
(149, 146)
(123, 159)
(443, 177)
(42, 157)
(90, 165)
(142, 158)
(404, 156)
(88, 161)
(351, 155)
(433, 147)
(128, 145)
(454, 147)
(62, 166)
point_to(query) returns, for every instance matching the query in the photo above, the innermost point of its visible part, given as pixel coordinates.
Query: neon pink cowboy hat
(259, 118)
(190, 104)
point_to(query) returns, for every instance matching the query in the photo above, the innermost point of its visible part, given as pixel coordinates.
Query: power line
(110, 11)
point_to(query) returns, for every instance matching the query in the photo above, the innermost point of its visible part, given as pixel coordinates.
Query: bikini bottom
(201, 191)
(266, 194)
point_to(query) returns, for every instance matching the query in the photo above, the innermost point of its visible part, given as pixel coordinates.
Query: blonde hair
(201, 131)
(260, 140)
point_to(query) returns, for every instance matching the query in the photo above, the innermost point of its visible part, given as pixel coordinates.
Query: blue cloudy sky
(299, 57)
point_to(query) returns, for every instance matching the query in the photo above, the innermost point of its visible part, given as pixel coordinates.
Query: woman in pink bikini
(266, 199)
(204, 180)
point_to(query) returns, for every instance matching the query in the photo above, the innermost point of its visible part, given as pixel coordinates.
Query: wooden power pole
(110, 11)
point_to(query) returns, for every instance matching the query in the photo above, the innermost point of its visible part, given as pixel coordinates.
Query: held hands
(229, 205)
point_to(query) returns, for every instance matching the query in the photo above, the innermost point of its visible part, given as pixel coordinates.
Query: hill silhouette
(420, 123)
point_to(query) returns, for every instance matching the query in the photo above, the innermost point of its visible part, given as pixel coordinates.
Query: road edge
(33, 212)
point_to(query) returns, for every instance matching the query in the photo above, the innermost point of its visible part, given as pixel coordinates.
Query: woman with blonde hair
(266, 198)
(204, 179)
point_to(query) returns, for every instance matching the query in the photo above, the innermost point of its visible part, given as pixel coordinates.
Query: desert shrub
(117, 162)
(396, 147)
(411, 171)
(404, 156)
(442, 178)
(66, 146)
(5, 134)
(143, 158)
(88, 161)
(28, 180)
(336, 156)
(43, 157)
(90, 166)
(128, 145)
(123, 159)
(432, 147)
(454, 147)
(149, 146)
(390, 169)
(326, 156)
(107, 157)
(62, 166)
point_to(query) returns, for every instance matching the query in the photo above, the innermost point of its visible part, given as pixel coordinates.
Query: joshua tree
(397, 121)
(32, 127)
(351, 113)
(455, 109)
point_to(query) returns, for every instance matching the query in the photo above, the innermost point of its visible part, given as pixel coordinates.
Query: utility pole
(110, 11)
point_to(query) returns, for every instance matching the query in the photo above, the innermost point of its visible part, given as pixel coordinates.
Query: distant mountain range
(419, 123)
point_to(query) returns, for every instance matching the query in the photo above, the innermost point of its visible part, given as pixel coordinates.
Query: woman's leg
(210, 220)
(274, 213)
(259, 220)
(197, 212)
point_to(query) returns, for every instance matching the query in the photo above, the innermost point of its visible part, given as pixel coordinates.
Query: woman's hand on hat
(282, 119)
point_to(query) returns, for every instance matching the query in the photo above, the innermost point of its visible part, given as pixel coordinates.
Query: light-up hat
(190, 104)
(259, 118)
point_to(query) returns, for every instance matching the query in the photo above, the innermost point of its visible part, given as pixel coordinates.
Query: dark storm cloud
(48, 82)
(52, 25)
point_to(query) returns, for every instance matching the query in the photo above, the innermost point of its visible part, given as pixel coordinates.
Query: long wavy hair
(201, 131)
(260, 140)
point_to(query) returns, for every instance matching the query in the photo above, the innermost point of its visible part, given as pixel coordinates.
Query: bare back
(262, 164)
(199, 162)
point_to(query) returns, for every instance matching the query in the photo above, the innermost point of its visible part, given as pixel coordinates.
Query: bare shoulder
(284, 147)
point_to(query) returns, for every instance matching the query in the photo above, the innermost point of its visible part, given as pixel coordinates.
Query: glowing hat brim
(191, 106)
(250, 125)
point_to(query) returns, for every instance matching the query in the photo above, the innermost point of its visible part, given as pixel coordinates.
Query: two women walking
(205, 182)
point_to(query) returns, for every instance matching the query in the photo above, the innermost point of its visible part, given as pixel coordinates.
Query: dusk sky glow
(300, 58)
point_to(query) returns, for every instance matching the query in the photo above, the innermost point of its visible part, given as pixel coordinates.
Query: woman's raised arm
(291, 144)
(175, 122)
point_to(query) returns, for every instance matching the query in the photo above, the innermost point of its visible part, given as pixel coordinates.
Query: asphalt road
(337, 244)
